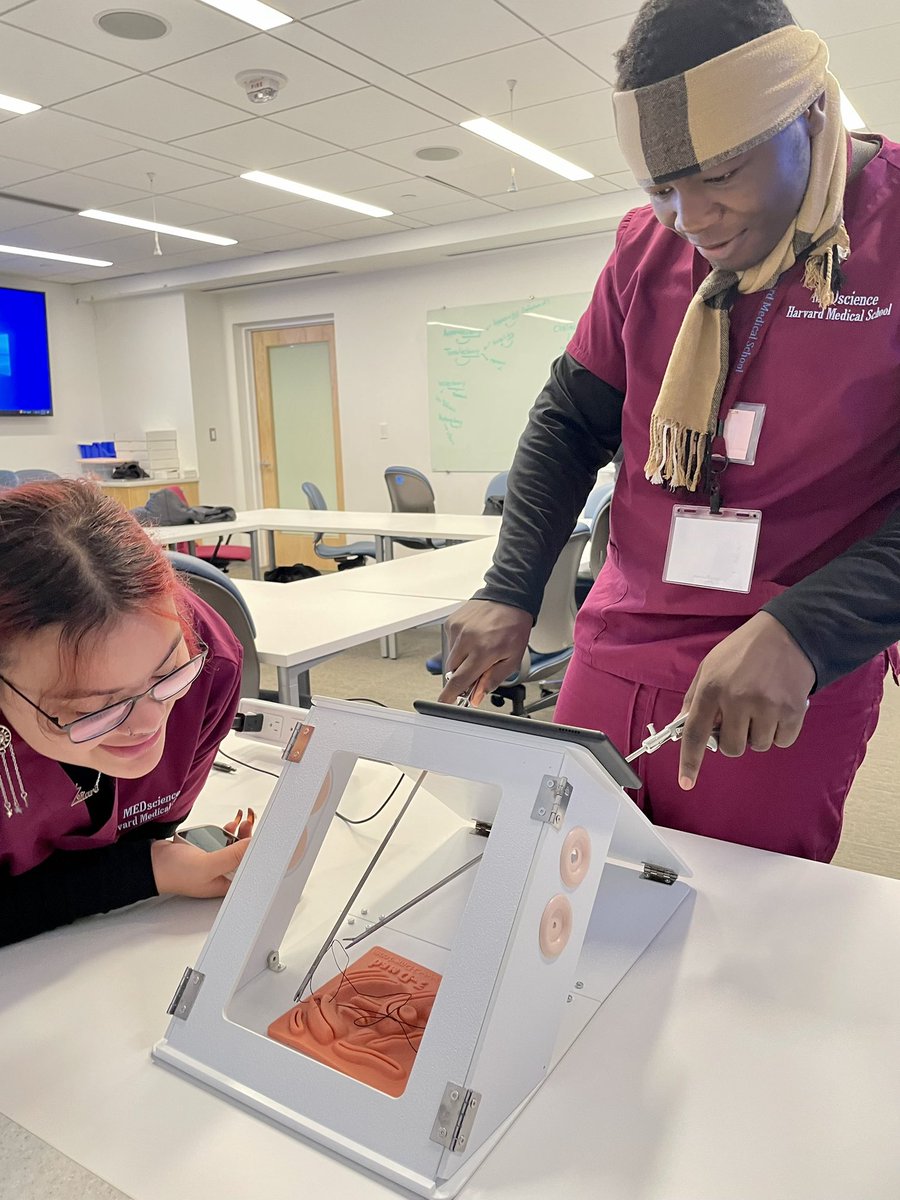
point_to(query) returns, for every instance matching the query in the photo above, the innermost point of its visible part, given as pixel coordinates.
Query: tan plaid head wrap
(692, 122)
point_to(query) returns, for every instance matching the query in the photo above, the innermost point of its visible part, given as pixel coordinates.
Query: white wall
(381, 352)
(51, 442)
(221, 461)
(145, 369)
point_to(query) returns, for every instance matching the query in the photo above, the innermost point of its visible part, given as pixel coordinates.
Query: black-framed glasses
(105, 720)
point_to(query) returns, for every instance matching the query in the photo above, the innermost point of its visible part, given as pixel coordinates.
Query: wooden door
(299, 426)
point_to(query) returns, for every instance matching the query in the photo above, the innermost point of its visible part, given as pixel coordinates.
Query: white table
(453, 573)
(752, 1052)
(383, 527)
(300, 624)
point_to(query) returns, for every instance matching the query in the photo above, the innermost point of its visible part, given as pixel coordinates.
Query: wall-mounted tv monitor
(24, 355)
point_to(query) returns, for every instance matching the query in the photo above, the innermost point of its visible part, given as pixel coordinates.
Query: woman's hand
(180, 869)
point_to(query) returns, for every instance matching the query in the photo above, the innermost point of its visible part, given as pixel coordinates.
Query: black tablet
(598, 743)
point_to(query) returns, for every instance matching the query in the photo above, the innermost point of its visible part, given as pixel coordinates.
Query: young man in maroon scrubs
(117, 685)
(748, 318)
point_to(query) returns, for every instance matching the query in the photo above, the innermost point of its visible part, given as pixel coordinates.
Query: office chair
(597, 509)
(495, 494)
(223, 597)
(352, 555)
(8, 479)
(222, 554)
(551, 641)
(35, 475)
(410, 492)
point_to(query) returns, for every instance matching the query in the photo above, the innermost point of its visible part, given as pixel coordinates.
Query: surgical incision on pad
(366, 1022)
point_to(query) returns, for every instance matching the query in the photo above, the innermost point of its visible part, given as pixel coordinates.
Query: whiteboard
(486, 365)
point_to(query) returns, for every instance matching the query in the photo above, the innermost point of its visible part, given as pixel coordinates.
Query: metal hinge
(186, 994)
(659, 874)
(552, 800)
(455, 1118)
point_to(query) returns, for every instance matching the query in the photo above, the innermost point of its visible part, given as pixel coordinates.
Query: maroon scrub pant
(790, 800)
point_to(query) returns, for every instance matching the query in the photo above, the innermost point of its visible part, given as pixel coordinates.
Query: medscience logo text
(849, 306)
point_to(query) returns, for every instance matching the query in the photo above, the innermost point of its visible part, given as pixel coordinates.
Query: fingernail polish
(251, 816)
(240, 813)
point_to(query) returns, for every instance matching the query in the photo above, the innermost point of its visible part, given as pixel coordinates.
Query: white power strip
(278, 720)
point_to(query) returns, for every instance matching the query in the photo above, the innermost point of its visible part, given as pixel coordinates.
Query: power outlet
(279, 720)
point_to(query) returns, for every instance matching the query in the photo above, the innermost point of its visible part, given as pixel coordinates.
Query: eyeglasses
(105, 720)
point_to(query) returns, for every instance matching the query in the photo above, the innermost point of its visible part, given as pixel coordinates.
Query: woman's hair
(669, 37)
(73, 557)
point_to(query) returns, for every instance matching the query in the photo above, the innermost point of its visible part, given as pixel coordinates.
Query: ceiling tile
(213, 74)
(257, 144)
(170, 174)
(878, 104)
(305, 8)
(386, 30)
(341, 173)
(241, 227)
(77, 191)
(458, 210)
(310, 214)
(232, 195)
(362, 227)
(407, 194)
(13, 171)
(602, 156)
(537, 197)
(872, 56)
(152, 108)
(15, 214)
(138, 246)
(56, 140)
(595, 45)
(358, 118)
(832, 17)
(68, 235)
(193, 29)
(569, 14)
(62, 72)
(892, 132)
(295, 239)
(170, 210)
(621, 179)
(563, 122)
(542, 72)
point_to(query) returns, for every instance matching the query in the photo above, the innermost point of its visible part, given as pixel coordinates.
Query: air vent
(233, 287)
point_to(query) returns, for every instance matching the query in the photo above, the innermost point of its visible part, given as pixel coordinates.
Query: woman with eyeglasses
(117, 685)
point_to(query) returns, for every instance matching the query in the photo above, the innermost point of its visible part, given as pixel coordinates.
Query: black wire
(250, 766)
(364, 700)
(377, 811)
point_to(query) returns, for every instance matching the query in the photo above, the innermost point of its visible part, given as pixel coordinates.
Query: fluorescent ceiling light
(849, 115)
(447, 325)
(519, 145)
(547, 317)
(155, 227)
(312, 193)
(263, 16)
(71, 258)
(11, 104)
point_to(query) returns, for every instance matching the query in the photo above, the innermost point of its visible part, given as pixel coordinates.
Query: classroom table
(301, 624)
(752, 1051)
(384, 527)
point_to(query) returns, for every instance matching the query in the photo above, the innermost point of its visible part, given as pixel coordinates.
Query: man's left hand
(751, 690)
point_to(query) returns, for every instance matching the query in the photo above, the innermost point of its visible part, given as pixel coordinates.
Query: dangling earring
(7, 787)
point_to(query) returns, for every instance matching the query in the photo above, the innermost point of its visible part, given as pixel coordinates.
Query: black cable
(364, 700)
(377, 811)
(250, 766)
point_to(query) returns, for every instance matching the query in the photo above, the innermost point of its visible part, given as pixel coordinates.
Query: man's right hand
(486, 643)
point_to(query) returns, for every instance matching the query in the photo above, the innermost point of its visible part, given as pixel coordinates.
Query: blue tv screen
(24, 355)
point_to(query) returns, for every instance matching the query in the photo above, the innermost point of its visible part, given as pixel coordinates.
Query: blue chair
(35, 475)
(353, 555)
(411, 492)
(495, 494)
(8, 479)
(223, 596)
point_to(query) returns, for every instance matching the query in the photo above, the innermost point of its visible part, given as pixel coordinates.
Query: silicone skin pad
(366, 1022)
(556, 926)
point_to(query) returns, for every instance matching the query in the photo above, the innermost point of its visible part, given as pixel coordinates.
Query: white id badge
(743, 425)
(712, 551)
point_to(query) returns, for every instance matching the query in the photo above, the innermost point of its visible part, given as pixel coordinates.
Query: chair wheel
(496, 700)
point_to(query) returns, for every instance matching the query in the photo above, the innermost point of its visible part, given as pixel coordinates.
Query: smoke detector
(261, 86)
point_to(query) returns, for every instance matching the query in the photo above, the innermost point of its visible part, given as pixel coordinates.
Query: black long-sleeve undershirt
(841, 616)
